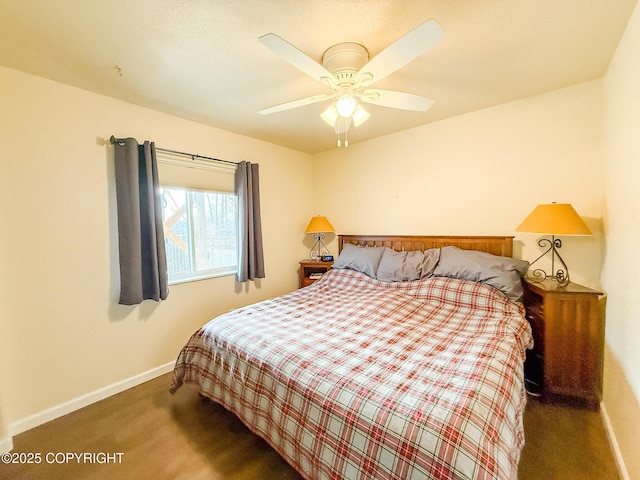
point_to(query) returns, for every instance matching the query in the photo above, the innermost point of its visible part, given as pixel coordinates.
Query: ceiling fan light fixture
(346, 105)
(360, 116)
(330, 115)
(346, 70)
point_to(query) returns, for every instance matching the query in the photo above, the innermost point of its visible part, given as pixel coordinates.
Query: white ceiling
(201, 59)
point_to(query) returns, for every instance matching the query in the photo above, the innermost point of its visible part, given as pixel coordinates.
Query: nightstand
(568, 331)
(311, 270)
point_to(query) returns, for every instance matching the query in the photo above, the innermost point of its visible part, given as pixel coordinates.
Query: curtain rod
(193, 156)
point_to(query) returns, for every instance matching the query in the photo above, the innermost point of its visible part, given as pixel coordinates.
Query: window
(200, 233)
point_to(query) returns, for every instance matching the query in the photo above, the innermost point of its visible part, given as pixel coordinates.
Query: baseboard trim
(6, 445)
(57, 411)
(622, 469)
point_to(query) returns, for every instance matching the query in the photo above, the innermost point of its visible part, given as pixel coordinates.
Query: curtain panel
(250, 254)
(143, 264)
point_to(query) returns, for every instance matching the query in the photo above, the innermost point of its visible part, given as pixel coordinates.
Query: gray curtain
(250, 255)
(143, 263)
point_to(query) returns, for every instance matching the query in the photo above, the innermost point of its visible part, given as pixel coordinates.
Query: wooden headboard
(496, 245)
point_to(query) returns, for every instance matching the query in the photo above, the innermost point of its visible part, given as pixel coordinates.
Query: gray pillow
(406, 266)
(361, 259)
(503, 273)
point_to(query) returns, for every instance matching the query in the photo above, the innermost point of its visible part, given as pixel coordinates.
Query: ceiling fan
(347, 71)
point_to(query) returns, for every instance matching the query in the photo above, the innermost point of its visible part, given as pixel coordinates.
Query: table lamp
(553, 219)
(318, 226)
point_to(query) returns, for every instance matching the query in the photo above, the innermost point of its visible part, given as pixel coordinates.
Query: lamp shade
(360, 116)
(554, 219)
(330, 115)
(319, 224)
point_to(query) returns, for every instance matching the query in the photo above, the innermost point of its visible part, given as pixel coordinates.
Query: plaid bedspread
(351, 378)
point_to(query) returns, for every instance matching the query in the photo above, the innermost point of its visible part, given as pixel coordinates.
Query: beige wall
(6, 442)
(59, 275)
(621, 211)
(622, 415)
(478, 174)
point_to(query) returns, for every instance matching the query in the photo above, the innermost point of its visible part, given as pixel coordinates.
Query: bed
(354, 377)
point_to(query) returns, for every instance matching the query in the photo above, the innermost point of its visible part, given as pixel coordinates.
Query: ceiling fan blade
(296, 103)
(297, 58)
(392, 99)
(402, 51)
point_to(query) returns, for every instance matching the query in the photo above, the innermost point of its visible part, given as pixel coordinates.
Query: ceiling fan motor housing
(344, 60)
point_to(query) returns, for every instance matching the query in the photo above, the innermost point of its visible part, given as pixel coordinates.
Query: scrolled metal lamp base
(322, 248)
(561, 275)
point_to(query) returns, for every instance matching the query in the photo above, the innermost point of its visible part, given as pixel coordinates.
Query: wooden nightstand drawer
(568, 330)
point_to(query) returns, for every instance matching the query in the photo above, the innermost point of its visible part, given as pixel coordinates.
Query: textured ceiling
(201, 59)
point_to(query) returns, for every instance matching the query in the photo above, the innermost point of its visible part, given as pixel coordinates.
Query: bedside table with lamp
(320, 260)
(566, 318)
